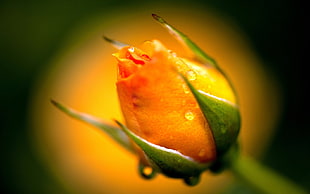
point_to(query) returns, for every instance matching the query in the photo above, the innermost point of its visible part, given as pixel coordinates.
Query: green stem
(262, 178)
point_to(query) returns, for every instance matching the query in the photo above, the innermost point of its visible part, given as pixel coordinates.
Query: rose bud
(181, 114)
(159, 107)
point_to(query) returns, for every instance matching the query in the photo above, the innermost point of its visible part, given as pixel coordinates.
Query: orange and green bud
(181, 114)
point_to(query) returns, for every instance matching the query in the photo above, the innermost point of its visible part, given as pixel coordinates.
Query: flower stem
(262, 178)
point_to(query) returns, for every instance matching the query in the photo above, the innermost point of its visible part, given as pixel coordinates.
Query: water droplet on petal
(185, 88)
(131, 49)
(172, 53)
(189, 115)
(202, 152)
(136, 102)
(146, 172)
(192, 181)
(191, 75)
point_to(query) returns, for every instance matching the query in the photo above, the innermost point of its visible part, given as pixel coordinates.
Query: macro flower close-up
(169, 97)
(181, 114)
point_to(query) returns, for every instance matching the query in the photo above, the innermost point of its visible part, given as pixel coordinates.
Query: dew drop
(172, 53)
(192, 181)
(135, 101)
(189, 115)
(202, 152)
(146, 172)
(131, 49)
(185, 88)
(191, 75)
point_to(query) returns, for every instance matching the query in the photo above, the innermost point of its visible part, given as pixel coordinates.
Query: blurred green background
(33, 31)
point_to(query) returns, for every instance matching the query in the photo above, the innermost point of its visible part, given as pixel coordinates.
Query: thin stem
(262, 178)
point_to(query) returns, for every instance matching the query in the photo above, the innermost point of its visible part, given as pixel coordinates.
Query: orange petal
(157, 107)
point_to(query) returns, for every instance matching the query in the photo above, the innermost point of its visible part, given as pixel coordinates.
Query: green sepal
(168, 161)
(114, 132)
(222, 116)
(115, 43)
(197, 51)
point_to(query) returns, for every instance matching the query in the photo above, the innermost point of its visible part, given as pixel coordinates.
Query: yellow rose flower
(181, 114)
(157, 104)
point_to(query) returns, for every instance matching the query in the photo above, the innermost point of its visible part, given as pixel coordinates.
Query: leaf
(169, 162)
(222, 116)
(114, 132)
(199, 53)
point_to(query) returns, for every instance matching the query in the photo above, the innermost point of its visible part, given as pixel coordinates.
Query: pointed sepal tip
(112, 131)
(116, 44)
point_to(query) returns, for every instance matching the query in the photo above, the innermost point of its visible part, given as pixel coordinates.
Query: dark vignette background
(32, 32)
